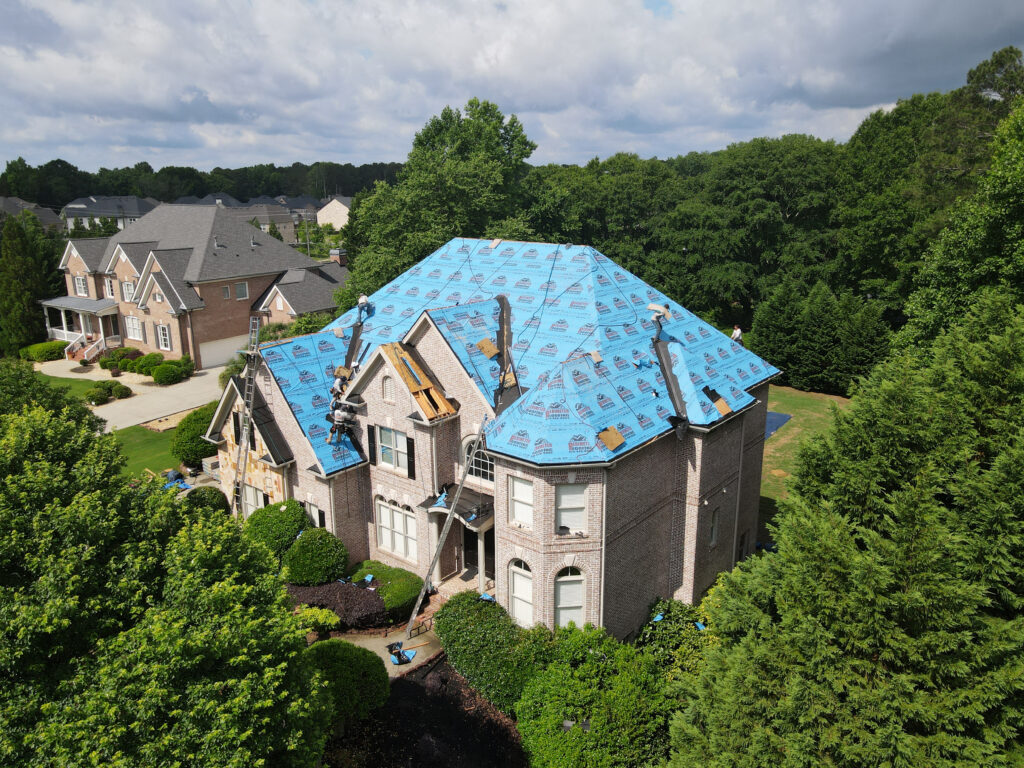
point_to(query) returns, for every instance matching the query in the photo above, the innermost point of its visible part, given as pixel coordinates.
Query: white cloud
(232, 83)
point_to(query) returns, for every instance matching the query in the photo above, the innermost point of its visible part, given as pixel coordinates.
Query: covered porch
(88, 325)
(470, 541)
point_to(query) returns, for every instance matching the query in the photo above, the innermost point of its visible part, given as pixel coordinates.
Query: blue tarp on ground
(566, 303)
(773, 421)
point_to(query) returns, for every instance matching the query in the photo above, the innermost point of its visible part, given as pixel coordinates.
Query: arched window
(521, 590)
(387, 389)
(569, 597)
(482, 465)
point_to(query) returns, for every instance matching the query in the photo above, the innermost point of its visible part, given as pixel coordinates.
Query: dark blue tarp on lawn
(773, 422)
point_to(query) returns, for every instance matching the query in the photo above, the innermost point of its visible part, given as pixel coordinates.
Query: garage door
(220, 351)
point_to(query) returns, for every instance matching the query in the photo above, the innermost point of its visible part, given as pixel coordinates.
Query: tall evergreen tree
(26, 269)
(887, 628)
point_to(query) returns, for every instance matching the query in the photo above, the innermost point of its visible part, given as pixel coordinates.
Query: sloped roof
(12, 206)
(115, 206)
(91, 249)
(263, 418)
(311, 290)
(566, 302)
(219, 241)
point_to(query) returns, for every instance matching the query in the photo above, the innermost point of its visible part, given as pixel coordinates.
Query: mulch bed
(433, 719)
(356, 607)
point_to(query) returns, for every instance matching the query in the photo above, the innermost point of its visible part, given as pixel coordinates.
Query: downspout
(739, 488)
(604, 545)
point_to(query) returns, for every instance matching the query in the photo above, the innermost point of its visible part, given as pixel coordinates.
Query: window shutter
(371, 443)
(142, 327)
(252, 435)
(237, 424)
(266, 500)
(410, 449)
(323, 519)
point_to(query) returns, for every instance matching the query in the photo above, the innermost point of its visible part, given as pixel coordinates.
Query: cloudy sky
(229, 83)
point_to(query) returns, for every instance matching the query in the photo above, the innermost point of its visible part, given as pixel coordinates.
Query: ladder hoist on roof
(241, 461)
(470, 458)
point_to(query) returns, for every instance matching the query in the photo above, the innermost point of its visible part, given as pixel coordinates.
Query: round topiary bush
(167, 373)
(188, 445)
(148, 363)
(187, 365)
(207, 496)
(316, 557)
(97, 396)
(120, 391)
(277, 525)
(356, 679)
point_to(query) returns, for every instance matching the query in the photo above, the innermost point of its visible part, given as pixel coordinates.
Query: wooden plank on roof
(611, 437)
(425, 391)
(487, 347)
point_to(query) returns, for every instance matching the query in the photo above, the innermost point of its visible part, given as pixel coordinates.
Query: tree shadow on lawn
(433, 719)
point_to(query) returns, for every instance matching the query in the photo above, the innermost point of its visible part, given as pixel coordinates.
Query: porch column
(99, 319)
(434, 534)
(481, 561)
(64, 323)
(46, 318)
(81, 323)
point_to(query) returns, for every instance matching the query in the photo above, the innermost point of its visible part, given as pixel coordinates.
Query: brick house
(123, 209)
(301, 292)
(183, 279)
(623, 435)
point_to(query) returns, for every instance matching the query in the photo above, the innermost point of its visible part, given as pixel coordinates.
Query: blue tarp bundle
(566, 303)
(773, 421)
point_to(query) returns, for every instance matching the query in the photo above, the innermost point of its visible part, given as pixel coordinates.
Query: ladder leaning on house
(470, 458)
(241, 461)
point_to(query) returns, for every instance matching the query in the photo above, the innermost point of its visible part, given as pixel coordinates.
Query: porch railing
(76, 344)
(93, 350)
(62, 335)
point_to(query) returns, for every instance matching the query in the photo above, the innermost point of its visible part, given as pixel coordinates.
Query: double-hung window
(520, 497)
(81, 286)
(108, 288)
(393, 449)
(571, 506)
(521, 593)
(241, 291)
(132, 328)
(396, 530)
(163, 337)
(127, 290)
(569, 597)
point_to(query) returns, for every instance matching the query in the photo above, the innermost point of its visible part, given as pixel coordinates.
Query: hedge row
(188, 445)
(43, 351)
(398, 587)
(164, 372)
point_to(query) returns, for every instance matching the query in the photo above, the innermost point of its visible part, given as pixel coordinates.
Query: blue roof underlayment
(566, 302)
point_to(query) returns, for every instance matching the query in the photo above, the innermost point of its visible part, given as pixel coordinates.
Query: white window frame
(163, 337)
(569, 607)
(225, 291)
(108, 288)
(396, 530)
(571, 506)
(132, 323)
(280, 303)
(393, 448)
(252, 499)
(713, 536)
(127, 290)
(81, 286)
(520, 593)
(520, 501)
(387, 389)
(314, 515)
(241, 291)
(482, 466)
(158, 297)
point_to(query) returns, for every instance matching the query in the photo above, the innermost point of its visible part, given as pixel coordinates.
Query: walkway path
(425, 644)
(150, 400)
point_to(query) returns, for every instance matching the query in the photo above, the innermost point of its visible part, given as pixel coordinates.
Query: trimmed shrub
(356, 679)
(319, 620)
(105, 362)
(489, 649)
(121, 391)
(147, 363)
(127, 364)
(234, 367)
(97, 396)
(188, 445)
(277, 525)
(616, 691)
(208, 496)
(44, 351)
(316, 557)
(126, 353)
(187, 365)
(398, 587)
(167, 373)
(356, 608)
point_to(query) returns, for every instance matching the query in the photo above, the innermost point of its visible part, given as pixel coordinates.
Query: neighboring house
(335, 212)
(303, 291)
(214, 198)
(267, 215)
(623, 434)
(12, 206)
(124, 209)
(181, 280)
(303, 207)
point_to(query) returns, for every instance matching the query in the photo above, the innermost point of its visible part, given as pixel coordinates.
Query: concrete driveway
(150, 400)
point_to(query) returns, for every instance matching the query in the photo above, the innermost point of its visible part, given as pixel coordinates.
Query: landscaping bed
(432, 718)
(357, 608)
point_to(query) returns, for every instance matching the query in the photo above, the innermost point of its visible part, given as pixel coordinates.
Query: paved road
(150, 400)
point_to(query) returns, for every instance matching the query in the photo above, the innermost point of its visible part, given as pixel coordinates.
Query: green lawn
(146, 449)
(812, 415)
(77, 387)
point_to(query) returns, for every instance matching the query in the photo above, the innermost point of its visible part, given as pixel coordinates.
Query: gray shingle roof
(12, 206)
(312, 290)
(122, 205)
(92, 250)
